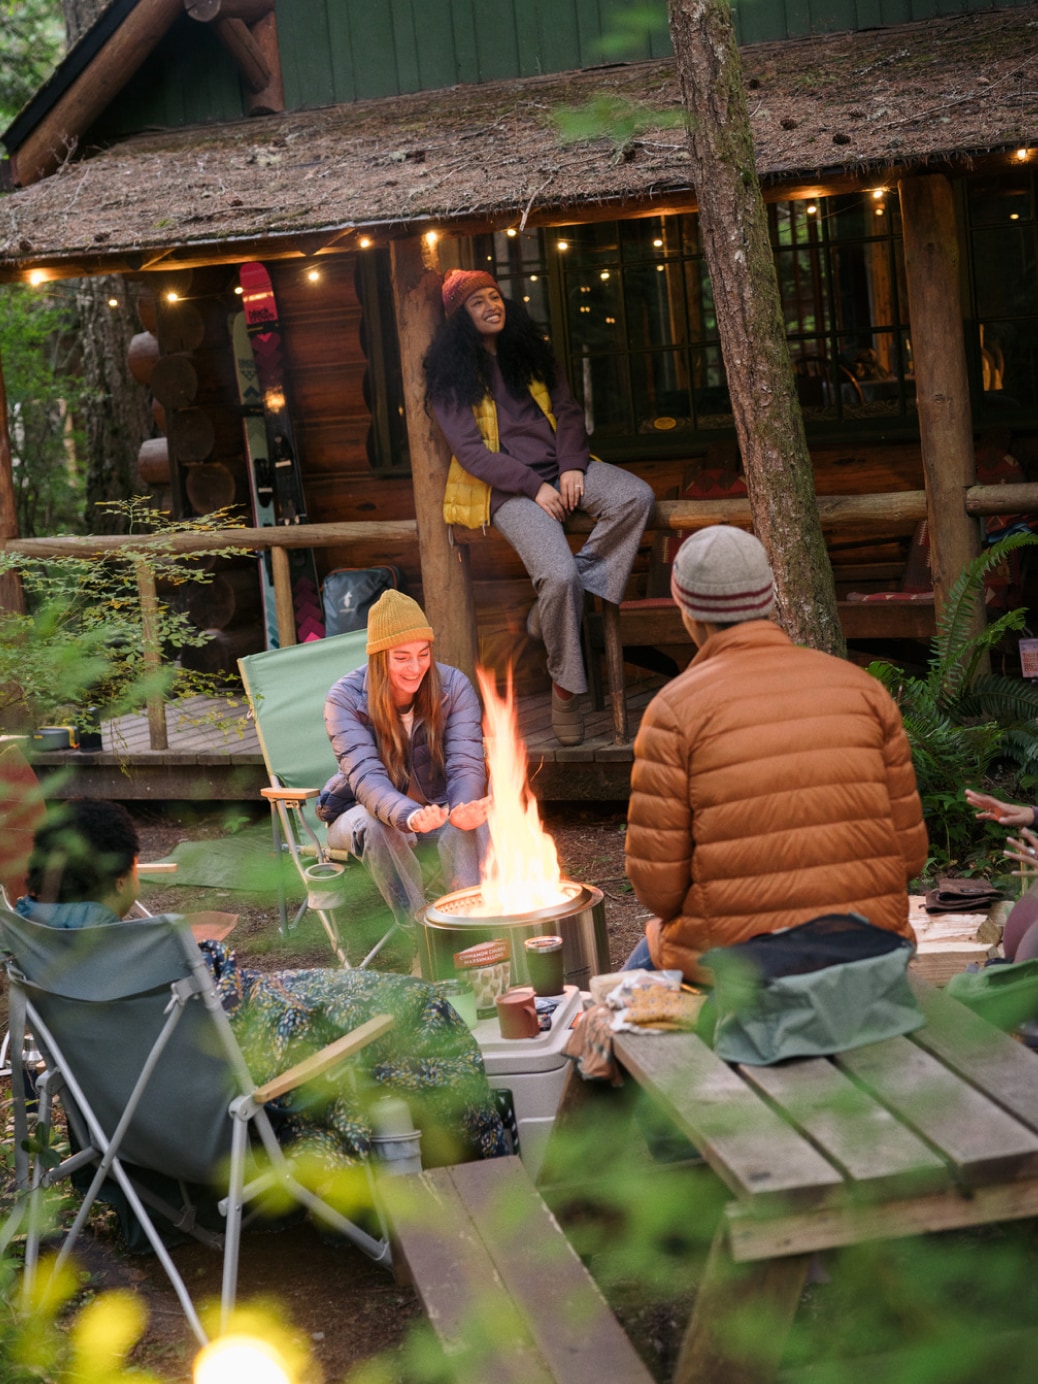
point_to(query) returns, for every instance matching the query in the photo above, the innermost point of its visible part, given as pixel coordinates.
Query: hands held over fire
(466, 816)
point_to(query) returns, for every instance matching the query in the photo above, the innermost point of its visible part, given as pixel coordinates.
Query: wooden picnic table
(931, 1132)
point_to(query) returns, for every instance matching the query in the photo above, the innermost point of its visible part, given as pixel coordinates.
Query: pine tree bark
(734, 230)
(116, 418)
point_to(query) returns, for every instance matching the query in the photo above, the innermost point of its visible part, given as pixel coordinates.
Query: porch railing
(682, 515)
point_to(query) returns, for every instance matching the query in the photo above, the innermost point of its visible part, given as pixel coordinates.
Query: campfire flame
(522, 868)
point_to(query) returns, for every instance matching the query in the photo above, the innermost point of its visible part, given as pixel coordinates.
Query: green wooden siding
(190, 77)
(346, 50)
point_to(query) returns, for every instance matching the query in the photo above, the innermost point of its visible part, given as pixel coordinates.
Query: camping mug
(544, 964)
(517, 1013)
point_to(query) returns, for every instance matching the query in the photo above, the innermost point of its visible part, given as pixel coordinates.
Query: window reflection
(640, 332)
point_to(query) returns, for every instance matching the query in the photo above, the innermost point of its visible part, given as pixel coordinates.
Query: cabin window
(1004, 281)
(631, 310)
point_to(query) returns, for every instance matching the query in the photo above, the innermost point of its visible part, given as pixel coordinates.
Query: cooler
(534, 1070)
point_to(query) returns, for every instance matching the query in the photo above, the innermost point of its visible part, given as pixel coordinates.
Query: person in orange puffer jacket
(771, 783)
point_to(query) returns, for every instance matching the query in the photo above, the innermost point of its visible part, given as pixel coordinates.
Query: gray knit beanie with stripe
(722, 575)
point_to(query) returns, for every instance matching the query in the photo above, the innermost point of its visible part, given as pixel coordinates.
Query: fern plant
(962, 720)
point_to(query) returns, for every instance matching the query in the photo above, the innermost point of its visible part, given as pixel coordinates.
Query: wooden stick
(151, 643)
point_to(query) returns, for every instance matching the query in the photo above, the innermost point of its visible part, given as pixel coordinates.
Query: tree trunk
(117, 413)
(117, 417)
(734, 228)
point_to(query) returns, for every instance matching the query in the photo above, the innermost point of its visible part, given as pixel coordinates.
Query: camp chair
(287, 690)
(22, 810)
(151, 1077)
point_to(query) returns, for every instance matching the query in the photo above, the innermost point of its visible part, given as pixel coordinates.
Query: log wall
(322, 325)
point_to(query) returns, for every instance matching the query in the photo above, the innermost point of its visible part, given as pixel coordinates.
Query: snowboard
(282, 476)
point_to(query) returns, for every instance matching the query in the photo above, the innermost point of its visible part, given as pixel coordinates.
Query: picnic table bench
(931, 1132)
(500, 1284)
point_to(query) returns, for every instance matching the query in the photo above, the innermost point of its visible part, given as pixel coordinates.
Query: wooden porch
(214, 755)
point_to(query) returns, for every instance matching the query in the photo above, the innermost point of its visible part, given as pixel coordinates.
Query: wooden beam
(270, 99)
(56, 135)
(941, 382)
(278, 536)
(235, 37)
(446, 582)
(208, 11)
(12, 597)
(151, 644)
(283, 607)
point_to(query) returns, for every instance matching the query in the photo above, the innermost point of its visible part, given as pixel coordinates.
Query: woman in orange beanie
(407, 735)
(521, 462)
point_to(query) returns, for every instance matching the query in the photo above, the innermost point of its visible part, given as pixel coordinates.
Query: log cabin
(359, 152)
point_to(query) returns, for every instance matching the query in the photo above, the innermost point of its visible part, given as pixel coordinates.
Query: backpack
(350, 592)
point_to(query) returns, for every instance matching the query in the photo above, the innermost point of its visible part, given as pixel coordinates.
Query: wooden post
(283, 607)
(941, 382)
(152, 645)
(446, 583)
(12, 597)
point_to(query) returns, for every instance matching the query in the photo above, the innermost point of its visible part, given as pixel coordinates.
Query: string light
(1022, 155)
(562, 244)
(364, 242)
(37, 277)
(658, 243)
(314, 275)
(812, 210)
(238, 289)
(172, 297)
(431, 237)
(511, 231)
(113, 302)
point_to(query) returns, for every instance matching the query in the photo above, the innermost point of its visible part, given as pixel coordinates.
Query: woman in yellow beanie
(407, 735)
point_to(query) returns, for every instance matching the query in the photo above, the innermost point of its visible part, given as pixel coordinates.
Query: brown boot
(567, 719)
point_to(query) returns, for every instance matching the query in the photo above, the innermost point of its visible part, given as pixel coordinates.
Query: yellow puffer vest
(466, 500)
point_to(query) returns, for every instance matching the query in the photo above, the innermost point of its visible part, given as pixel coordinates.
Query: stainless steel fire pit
(449, 927)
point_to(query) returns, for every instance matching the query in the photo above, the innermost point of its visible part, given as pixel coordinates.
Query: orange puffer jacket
(771, 784)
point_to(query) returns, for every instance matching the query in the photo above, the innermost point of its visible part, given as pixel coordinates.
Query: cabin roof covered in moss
(860, 104)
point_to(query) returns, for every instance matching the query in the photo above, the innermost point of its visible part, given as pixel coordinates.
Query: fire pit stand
(450, 925)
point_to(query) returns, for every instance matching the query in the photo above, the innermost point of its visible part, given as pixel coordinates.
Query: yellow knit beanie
(396, 619)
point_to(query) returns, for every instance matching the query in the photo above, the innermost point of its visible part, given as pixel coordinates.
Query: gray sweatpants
(620, 504)
(390, 856)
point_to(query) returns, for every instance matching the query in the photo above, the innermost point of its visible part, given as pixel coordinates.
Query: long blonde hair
(390, 736)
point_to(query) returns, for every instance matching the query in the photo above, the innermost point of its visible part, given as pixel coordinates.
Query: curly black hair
(82, 848)
(457, 369)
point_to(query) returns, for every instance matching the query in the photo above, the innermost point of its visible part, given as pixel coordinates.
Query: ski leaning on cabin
(275, 477)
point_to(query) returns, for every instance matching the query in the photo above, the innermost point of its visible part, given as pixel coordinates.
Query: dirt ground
(347, 1309)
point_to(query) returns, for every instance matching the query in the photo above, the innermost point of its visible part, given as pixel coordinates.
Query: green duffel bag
(1005, 994)
(834, 983)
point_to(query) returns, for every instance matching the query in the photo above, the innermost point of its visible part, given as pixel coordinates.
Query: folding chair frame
(246, 1111)
(295, 782)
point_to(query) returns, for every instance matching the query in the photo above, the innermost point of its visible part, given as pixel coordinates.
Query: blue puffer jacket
(362, 776)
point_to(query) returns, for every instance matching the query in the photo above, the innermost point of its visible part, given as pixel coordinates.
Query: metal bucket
(448, 927)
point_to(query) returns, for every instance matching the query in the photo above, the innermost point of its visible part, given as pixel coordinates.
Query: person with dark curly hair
(521, 462)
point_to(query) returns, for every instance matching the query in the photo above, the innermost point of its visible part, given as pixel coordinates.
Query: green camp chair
(156, 1092)
(287, 690)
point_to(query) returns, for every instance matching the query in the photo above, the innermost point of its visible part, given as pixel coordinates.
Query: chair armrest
(289, 795)
(320, 1062)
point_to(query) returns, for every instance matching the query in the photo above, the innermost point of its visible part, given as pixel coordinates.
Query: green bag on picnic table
(830, 984)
